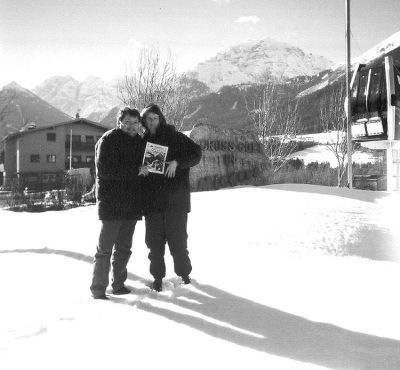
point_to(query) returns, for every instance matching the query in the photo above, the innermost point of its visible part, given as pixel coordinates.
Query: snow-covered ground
(321, 153)
(285, 277)
(319, 137)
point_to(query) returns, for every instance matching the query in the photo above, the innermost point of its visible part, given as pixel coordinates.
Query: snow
(240, 63)
(322, 153)
(285, 277)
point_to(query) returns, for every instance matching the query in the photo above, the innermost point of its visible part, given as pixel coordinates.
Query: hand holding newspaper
(154, 157)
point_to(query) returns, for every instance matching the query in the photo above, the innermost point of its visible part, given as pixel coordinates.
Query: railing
(79, 165)
(79, 145)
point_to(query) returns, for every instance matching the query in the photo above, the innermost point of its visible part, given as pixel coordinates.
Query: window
(51, 136)
(30, 179)
(51, 158)
(76, 138)
(49, 178)
(35, 158)
(89, 139)
(89, 158)
(76, 159)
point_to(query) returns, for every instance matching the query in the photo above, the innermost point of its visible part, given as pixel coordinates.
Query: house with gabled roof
(37, 158)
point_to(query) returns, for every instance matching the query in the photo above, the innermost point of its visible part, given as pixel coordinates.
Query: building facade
(38, 157)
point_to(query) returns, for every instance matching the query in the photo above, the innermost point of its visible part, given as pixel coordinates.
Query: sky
(43, 38)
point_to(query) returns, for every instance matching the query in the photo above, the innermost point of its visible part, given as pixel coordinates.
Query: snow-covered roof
(73, 121)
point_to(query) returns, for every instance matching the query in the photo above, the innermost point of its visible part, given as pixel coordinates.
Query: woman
(166, 197)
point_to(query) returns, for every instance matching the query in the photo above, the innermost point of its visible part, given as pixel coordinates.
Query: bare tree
(153, 79)
(333, 121)
(275, 117)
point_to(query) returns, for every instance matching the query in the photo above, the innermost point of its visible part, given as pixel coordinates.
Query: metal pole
(348, 73)
(70, 150)
(391, 115)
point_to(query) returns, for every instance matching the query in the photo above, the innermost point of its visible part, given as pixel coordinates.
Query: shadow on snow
(256, 326)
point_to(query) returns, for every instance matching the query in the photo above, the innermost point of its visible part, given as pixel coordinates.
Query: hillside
(227, 107)
(19, 106)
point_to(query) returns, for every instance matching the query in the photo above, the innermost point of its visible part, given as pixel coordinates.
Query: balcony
(80, 165)
(79, 145)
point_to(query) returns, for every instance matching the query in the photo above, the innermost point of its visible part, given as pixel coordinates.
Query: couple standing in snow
(126, 191)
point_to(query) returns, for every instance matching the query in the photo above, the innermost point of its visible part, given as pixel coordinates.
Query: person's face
(152, 122)
(130, 125)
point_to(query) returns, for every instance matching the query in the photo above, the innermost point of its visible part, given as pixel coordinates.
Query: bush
(18, 199)
(294, 171)
(314, 173)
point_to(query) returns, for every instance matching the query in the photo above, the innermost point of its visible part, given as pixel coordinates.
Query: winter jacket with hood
(118, 191)
(161, 193)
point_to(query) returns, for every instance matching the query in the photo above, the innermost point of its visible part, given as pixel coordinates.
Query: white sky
(42, 38)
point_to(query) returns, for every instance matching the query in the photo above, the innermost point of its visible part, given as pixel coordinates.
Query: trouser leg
(155, 241)
(101, 264)
(122, 253)
(176, 235)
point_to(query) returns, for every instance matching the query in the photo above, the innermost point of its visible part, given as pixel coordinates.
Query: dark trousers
(117, 234)
(169, 226)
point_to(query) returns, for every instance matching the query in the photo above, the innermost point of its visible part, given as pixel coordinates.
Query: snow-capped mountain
(20, 107)
(91, 95)
(244, 62)
(389, 46)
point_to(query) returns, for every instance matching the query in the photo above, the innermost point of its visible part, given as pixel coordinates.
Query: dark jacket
(161, 193)
(118, 158)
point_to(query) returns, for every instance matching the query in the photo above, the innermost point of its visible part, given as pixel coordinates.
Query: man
(166, 197)
(118, 158)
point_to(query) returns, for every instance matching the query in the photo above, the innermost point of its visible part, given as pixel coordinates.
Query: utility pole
(348, 73)
(70, 150)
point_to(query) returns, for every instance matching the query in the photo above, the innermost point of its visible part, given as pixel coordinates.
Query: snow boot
(186, 280)
(101, 296)
(157, 285)
(121, 291)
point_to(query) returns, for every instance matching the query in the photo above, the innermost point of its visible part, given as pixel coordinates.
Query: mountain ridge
(244, 62)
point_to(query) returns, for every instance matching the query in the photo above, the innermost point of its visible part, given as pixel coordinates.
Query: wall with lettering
(230, 158)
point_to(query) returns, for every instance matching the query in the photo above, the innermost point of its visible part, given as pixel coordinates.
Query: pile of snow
(285, 277)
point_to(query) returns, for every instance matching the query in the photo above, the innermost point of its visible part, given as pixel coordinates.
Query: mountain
(389, 46)
(92, 95)
(244, 62)
(19, 107)
(110, 119)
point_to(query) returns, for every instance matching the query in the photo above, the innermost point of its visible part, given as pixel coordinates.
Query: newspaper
(154, 157)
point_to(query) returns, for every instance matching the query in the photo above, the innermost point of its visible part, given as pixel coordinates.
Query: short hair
(127, 111)
(152, 108)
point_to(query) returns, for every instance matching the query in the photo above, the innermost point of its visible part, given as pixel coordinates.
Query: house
(37, 157)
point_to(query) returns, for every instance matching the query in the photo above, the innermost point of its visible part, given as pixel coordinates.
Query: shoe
(157, 285)
(121, 291)
(186, 280)
(101, 296)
